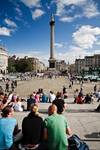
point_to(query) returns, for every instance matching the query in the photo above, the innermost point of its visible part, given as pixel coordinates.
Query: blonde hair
(34, 108)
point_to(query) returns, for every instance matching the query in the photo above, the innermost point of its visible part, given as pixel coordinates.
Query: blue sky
(25, 31)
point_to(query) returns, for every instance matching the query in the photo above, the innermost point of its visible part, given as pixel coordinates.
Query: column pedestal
(52, 64)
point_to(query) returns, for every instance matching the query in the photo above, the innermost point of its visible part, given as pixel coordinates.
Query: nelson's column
(52, 60)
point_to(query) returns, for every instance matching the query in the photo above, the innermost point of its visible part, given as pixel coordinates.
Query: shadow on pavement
(93, 135)
(79, 110)
(45, 111)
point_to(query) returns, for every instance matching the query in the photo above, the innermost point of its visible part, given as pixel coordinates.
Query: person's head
(51, 92)
(10, 93)
(52, 109)
(41, 90)
(1, 96)
(76, 90)
(18, 99)
(34, 109)
(31, 96)
(87, 95)
(59, 95)
(14, 98)
(7, 112)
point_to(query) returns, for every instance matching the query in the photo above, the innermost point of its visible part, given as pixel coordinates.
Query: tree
(11, 64)
(23, 65)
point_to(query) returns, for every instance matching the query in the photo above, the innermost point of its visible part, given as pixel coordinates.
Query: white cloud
(98, 43)
(59, 45)
(74, 2)
(96, 51)
(86, 36)
(75, 52)
(18, 11)
(34, 53)
(5, 31)
(61, 4)
(37, 13)
(90, 10)
(71, 54)
(10, 23)
(28, 53)
(31, 3)
(68, 18)
(34, 4)
(87, 9)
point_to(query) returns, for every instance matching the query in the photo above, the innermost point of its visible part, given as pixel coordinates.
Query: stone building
(71, 69)
(3, 60)
(79, 65)
(61, 65)
(38, 66)
(97, 60)
(88, 63)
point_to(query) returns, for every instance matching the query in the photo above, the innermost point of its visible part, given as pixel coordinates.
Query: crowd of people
(11, 99)
(15, 101)
(37, 133)
(80, 98)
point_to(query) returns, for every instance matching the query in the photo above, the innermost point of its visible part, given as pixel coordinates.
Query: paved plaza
(82, 118)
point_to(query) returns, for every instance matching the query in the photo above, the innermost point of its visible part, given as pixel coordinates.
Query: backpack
(75, 143)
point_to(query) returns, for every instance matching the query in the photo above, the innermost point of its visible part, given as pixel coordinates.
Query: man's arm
(68, 131)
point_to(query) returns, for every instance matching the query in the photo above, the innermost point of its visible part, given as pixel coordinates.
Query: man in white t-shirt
(52, 97)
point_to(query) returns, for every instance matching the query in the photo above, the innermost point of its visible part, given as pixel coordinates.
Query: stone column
(52, 60)
(52, 23)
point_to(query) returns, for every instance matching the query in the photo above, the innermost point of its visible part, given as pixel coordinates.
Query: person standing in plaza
(55, 130)
(12, 86)
(95, 89)
(7, 86)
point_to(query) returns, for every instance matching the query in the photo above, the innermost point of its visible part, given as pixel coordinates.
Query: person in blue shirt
(8, 128)
(30, 101)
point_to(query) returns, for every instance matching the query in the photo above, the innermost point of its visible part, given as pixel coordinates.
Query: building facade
(88, 64)
(71, 69)
(79, 65)
(38, 66)
(3, 60)
(61, 65)
(97, 61)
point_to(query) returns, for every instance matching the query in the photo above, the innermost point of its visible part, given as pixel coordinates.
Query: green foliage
(11, 64)
(19, 65)
(23, 65)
